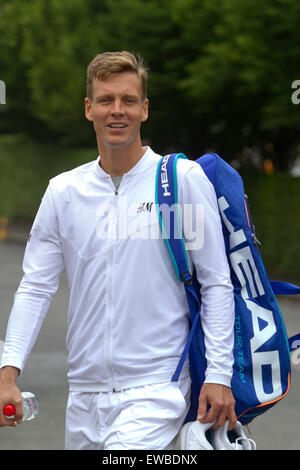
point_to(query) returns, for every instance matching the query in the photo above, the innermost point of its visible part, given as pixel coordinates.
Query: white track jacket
(128, 314)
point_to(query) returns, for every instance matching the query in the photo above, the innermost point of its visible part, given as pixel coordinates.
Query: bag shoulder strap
(167, 206)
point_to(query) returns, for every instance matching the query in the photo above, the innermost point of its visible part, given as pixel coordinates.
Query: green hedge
(275, 208)
(25, 169)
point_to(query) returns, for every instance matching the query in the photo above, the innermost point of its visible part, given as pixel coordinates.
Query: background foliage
(220, 79)
(221, 72)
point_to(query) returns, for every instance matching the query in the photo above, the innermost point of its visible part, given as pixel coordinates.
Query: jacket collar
(148, 159)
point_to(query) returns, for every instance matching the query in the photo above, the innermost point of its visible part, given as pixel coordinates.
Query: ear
(145, 111)
(88, 109)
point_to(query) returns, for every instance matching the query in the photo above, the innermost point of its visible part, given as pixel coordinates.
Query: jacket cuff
(222, 379)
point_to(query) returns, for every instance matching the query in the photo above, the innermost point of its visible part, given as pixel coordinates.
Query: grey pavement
(45, 372)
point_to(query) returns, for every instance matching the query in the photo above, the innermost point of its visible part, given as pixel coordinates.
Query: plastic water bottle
(31, 406)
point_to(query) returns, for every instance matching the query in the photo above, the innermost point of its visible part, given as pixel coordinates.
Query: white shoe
(222, 439)
(194, 436)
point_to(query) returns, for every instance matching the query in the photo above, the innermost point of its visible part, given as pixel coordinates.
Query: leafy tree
(56, 42)
(245, 60)
(220, 72)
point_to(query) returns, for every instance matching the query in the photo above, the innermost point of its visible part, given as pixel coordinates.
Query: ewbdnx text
(171, 459)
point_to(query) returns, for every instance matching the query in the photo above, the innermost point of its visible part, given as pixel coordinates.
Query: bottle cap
(9, 410)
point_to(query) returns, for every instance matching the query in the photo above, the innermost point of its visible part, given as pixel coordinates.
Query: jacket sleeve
(206, 249)
(42, 265)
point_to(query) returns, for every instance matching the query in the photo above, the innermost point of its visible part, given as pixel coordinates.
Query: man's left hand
(221, 402)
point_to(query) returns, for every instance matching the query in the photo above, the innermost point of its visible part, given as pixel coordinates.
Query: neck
(117, 161)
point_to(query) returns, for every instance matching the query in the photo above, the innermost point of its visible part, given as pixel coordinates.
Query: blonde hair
(107, 64)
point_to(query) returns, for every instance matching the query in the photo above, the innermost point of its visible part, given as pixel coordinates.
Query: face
(117, 110)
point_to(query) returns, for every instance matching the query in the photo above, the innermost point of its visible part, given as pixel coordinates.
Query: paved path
(45, 373)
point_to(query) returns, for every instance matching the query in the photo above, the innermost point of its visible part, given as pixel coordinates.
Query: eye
(104, 100)
(130, 100)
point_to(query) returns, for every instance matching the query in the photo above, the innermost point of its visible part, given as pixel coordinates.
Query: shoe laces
(251, 441)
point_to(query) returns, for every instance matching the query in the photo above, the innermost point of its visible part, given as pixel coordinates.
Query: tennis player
(128, 315)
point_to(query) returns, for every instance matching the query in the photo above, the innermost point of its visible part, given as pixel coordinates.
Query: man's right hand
(10, 394)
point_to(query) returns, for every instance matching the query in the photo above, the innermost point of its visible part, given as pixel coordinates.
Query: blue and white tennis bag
(261, 372)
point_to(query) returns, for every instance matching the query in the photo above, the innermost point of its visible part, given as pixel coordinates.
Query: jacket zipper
(109, 319)
(109, 316)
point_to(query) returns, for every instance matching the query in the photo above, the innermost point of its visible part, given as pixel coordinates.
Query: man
(128, 316)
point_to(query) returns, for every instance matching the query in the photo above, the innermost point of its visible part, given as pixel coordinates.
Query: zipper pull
(251, 226)
(254, 237)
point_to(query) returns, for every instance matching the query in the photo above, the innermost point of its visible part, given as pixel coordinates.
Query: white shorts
(140, 418)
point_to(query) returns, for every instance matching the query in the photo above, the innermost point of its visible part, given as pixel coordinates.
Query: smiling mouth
(117, 126)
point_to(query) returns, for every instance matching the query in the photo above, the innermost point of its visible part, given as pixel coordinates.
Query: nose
(117, 107)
